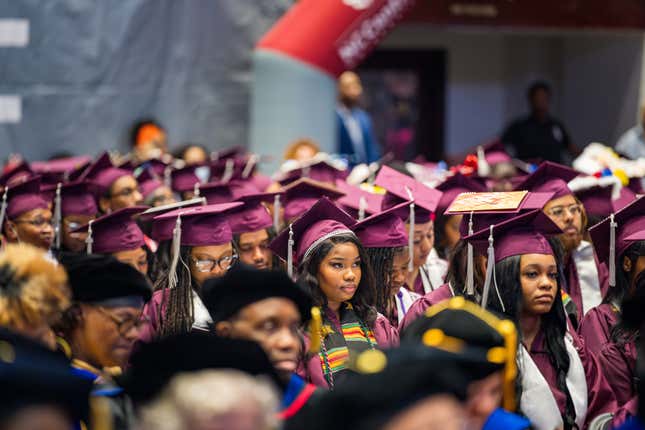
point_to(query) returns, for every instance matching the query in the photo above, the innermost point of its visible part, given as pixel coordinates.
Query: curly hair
(365, 298)
(33, 289)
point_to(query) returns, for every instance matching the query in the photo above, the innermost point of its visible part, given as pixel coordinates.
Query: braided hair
(381, 260)
(553, 323)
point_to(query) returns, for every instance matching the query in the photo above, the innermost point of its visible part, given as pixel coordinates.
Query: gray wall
(92, 67)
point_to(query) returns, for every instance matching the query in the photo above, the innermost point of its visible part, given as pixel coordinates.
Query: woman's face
(451, 231)
(74, 242)
(339, 273)
(33, 227)
(399, 271)
(539, 281)
(123, 193)
(137, 258)
(423, 242)
(161, 196)
(210, 261)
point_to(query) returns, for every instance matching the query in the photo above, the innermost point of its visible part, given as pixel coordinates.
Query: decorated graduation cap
(358, 202)
(102, 173)
(114, 232)
(301, 194)
(253, 215)
(601, 196)
(616, 233)
(422, 200)
(455, 185)
(154, 364)
(185, 179)
(244, 285)
(98, 278)
(549, 177)
(72, 198)
(322, 221)
(31, 374)
(21, 198)
(524, 234)
(385, 229)
(16, 174)
(458, 325)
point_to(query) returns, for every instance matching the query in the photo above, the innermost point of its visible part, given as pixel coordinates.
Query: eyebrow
(539, 266)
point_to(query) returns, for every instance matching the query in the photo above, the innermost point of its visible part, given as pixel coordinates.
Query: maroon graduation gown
(420, 305)
(573, 283)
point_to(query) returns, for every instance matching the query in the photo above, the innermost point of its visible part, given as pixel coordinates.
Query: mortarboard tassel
(248, 169)
(175, 249)
(290, 244)
(276, 213)
(57, 216)
(362, 206)
(315, 331)
(483, 168)
(228, 170)
(167, 176)
(3, 207)
(470, 275)
(411, 232)
(305, 171)
(490, 268)
(196, 190)
(612, 251)
(89, 240)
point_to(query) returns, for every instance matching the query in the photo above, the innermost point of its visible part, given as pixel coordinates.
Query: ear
(627, 264)
(104, 205)
(224, 328)
(10, 231)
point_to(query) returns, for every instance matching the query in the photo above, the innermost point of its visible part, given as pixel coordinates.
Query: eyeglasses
(207, 265)
(124, 326)
(559, 211)
(38, 222)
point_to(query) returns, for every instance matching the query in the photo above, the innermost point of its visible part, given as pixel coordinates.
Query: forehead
(544, 260)
(567, 200)
(421, 228)
(124, 181)
(272, 307)
(343, 250)
(254, 236)
(35, 213)
(211, 250)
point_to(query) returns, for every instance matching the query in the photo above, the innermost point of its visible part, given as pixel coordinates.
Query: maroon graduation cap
(385, 229)
(114, 232)
(253, 215)
(357, 202)
(302, 194)
(102, 173)
(549, 177)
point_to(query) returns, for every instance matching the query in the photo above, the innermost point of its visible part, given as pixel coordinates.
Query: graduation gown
(295, 397)
(600, 397)
(617, 362)
(417, 308)
(386, 337)
(153, 309)
(587, 279)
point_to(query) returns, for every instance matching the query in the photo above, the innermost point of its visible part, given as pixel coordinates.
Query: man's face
(540, 101)
(566, 212)
(123, 193)
(350, 88)
(274, 323)
(254, 249)
(73, 241)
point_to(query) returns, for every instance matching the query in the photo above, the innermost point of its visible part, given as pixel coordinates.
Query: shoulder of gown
(595, 327)
(420, 305)
(387, 336)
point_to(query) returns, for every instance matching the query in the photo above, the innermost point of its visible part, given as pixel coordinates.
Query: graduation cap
(146, 218)
(225, 192)
(230, 152)
(16, 174)
(185, 179)
(148, 182)
(422, 200)
(157, 166)
(236, 167)
(153, 365)
(384, 385)
(322, 221)
(460, 326)
(524, 234)
(601, 196)
(114, 232)
(60, 169)
(301, 194)
(455, 185)
(385, 229)
(253, 215)
(98, 278)
(612, 236)
(31, 374)
(549, 177)
(72, 198)
(357, 202)
(103, 174)
(321, 168)
(21, 198)
(244, 285)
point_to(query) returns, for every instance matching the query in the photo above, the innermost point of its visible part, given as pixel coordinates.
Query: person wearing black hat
(39, 391)
(266, 307)
(99, 330)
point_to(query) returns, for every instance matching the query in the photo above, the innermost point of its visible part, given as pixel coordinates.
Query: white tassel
(362, 207)
(228, 170)
(175, 250)
(3, 207)
(57, 216)
(167, 176)
(253, 159)
(612, 250)
(89, 240)
(305, 171)
(276, 213)
(196, 190)
(411, 232)
(490, 268)
(470, 275)
(290, 244)
(483, 169)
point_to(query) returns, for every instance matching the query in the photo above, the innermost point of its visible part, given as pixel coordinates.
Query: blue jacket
(345, 146)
